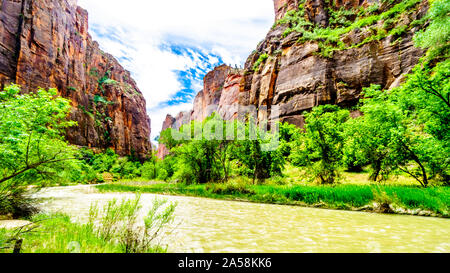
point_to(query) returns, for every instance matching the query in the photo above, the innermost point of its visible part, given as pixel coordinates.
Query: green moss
(262, 58)
(86, 111)
(99, 99)
(330, 38)
(93, 72)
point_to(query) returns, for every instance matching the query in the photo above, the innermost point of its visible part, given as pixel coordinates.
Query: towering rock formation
(45, 43)
(169, 122)
(296, 72)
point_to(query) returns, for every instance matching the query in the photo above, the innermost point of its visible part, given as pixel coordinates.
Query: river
(206, 225)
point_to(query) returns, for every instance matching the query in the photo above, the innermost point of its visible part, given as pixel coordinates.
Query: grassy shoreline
(381, 199)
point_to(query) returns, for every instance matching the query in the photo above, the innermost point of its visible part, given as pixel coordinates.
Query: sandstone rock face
(316, 12)
(45, 43)
(207, 101)
(283, 6)
(168, 123)
(297, 78)
(229, 100)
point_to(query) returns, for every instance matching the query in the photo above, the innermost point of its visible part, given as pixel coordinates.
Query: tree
(392, 139)
(258, 151)
(321, 146)
(425, 100)
(288, 134)
(32, 145)
(200, 151)
(437, 35)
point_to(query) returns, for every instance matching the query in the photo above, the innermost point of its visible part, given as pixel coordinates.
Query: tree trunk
(18, 246)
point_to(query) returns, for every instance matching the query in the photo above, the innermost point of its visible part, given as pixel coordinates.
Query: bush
(230, 189)
(320, 147)
(119, 223)
(16, 202)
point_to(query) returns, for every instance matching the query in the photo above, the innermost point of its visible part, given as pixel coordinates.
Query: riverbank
(380, 199)
(56, 234)
(115, 228)
(204, 225)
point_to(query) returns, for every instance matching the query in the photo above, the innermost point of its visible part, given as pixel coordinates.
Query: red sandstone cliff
(45, 43)
(296, 77)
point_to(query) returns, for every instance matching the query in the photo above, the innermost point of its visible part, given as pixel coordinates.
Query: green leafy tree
(261, 155)
(32, 145)
(394, 139)
(151, 168)
(425, 100)
(437, 35)
(321, 146)
(199, 156)
(288, 134)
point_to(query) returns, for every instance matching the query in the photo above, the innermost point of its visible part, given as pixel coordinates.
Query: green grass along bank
(408, 200)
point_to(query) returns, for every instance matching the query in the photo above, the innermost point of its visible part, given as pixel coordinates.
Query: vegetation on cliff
(377, 22)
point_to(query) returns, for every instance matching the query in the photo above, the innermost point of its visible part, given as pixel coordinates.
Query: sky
(168, 46)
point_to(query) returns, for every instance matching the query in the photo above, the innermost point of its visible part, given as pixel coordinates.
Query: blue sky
(168, 46)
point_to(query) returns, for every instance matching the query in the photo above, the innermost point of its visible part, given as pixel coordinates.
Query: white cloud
(135, 31)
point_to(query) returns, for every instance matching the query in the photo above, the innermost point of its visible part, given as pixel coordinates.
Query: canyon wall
(296, 73)
(297, 77)
(45, 43)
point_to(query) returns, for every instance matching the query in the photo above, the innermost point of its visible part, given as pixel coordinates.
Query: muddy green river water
(205, 225)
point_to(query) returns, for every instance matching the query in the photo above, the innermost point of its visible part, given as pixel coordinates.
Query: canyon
(46, 44)
(294, 74)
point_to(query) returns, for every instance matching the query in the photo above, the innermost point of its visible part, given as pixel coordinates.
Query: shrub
(16, 202)
(118, 222)
(230, 189)
(260, 60)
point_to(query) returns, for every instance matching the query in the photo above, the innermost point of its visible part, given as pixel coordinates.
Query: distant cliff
(45, 43)
(317, 52)
(220, 94)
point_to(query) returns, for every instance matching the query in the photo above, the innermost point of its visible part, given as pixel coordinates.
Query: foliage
(434, 199)
(393, 136)
(32, 144)
(113, 229)
(262, 58)
(118, 223)
(203, 159)
(15, 201)
(288, 134)
(320, 147)
(210, 151)
(437, 35)
(425, 100)
(343, 21)
(261, 157)
(100, 99)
